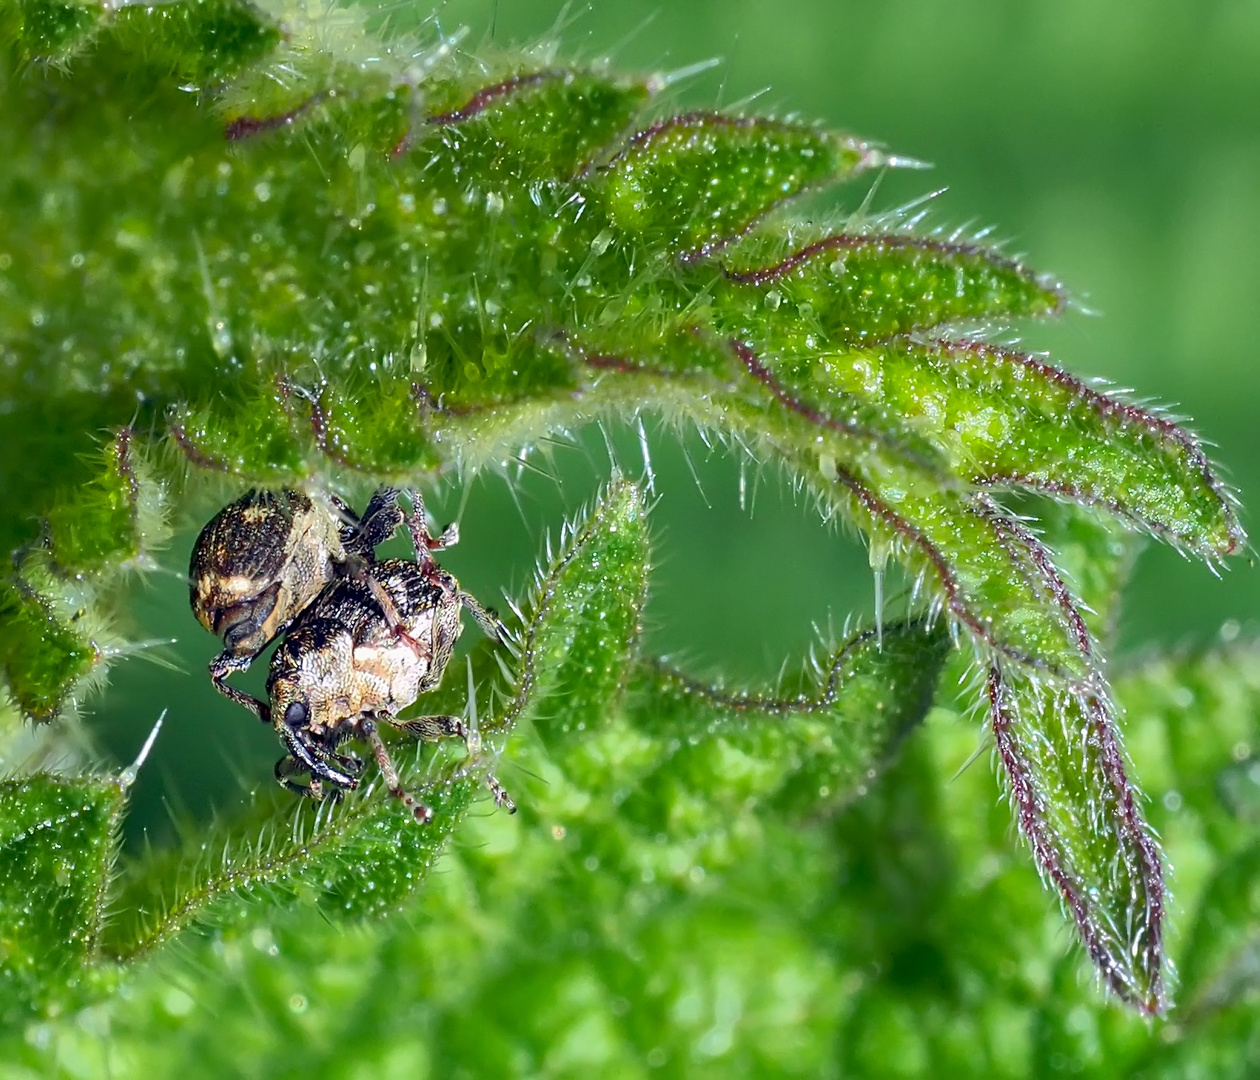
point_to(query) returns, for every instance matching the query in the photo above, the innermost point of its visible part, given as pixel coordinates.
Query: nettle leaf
(578, 647)
(348, 256)
(58, 841)
(808, 748)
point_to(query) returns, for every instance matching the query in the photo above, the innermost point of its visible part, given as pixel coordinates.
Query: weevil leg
(499, 793)
(287, 768)
(486, 618)
(351, 764)
(381, 518)
(421, 812)
(422, 540)
(224, 665)
(433, 728)
(347, 520)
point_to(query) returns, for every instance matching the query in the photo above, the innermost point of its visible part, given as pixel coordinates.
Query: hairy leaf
(57, 846)
(798, 752)
(293, 250)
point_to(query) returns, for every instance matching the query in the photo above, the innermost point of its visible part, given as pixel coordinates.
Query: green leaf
(46, 29)
(1067, 777)
(198, 40)
(855, 287)
(577, 651)
(1083, 818)
(58, 839)
(694, 182)
(354, 254)
(42, 651)
(116, 519)
(537, 125)
(809, 747)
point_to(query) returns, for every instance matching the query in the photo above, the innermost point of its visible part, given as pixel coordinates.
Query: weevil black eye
(295, 715)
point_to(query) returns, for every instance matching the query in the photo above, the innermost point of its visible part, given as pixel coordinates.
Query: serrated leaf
(250, 433)
(199, 40)
(42, 654)
(694, 182)
(44, 30)
(99, 524)
(802, 749)
(858, 287)
(314, 268)
(369, 426)
(539, 124)
(577, 653)
(1082, 816)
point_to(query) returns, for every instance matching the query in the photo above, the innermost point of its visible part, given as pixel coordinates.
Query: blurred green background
(1117, 145)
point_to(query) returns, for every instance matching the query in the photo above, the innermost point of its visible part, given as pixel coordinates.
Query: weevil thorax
(311, 682)
(258, 563)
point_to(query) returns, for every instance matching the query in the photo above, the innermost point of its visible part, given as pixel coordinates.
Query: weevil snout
(246, 627)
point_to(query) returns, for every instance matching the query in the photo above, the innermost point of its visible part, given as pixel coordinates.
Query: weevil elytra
(263, 559)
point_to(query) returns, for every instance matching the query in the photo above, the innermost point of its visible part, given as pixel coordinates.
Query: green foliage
(575, 939)
(267, 244)
(57, 840)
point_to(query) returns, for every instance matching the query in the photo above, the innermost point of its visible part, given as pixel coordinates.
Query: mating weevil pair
(362, 639)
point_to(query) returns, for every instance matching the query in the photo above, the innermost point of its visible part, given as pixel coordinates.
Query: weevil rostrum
(362, 639)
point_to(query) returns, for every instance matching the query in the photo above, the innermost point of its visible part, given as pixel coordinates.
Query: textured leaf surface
(908, 936)
(57, 847)
(798, 753)
(283, 248)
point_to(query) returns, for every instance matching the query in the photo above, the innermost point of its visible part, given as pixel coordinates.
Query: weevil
(263, 559)
(342, 670)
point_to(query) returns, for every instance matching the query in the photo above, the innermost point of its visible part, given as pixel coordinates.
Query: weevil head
(257, 564)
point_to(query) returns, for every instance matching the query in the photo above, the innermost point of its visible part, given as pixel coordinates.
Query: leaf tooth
(912, 451)
(867, 695)
(863, 285)
(697, 181)
(1061, 753)
(1062, 820)
(493, 95)
(1201, 516)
